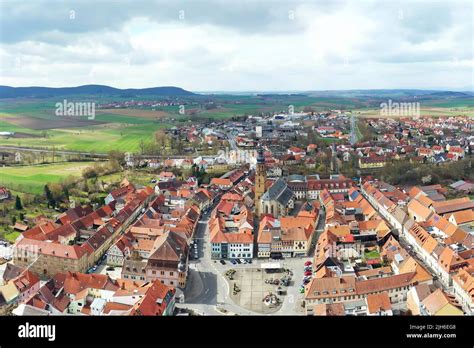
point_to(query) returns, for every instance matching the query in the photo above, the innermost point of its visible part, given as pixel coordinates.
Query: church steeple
(260, 176)
(260, 156)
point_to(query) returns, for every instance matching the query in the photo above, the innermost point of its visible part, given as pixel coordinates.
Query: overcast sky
(204, 45)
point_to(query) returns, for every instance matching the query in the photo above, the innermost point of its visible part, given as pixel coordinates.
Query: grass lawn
(374, 254)
(11, 236)
(31, 179)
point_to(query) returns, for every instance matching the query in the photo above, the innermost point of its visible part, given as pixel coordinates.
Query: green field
(98, 139)
(31, 179)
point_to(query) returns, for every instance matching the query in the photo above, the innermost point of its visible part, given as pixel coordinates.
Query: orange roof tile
(378, 302)
(419, 210)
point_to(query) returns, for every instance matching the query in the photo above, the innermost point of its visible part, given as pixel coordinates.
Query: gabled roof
(463, 216)
(154, 302)
(53, 249)
(11, 271)
(439, 300)
(169, 247)
(453, 205)
(221, 182)
(329, 309)
(416, 208)
(25, 281)
(385, 283)
(465, 278)
(411, 265)
(379, 302)
(73, 282)
(448, 259)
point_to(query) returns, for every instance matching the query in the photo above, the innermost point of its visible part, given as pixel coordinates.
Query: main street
(353, 136)
(232, 142)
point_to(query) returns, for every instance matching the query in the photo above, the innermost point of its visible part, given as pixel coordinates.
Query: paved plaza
(253, 289)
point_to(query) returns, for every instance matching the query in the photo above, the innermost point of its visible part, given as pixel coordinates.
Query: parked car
(308, 263)
(110, 268)
(249, 261)
(308, 268)
(222, 262)
(243, 261)
(308, 273)
(306, 281)
(238, 261)
(301, 290)
(234, 262)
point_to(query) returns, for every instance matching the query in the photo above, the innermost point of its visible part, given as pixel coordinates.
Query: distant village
(307, 140)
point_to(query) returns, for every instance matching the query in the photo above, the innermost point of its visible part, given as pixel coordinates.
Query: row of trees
(404, 172)
(98, 169)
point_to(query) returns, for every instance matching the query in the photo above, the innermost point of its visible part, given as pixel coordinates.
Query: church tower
(260, 176)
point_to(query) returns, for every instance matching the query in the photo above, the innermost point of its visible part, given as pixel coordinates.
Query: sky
(266, 45)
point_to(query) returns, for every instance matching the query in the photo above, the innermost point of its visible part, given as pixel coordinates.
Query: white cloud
(315, 46)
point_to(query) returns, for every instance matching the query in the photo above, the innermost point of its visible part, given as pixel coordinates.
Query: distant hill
(96, 90)
(445, 94)
(385, 93)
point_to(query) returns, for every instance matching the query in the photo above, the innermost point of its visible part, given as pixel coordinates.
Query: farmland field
(36, 125)
(147, 114)
(107, 132)
(31, 179)
(426, 111)
(99, 139)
